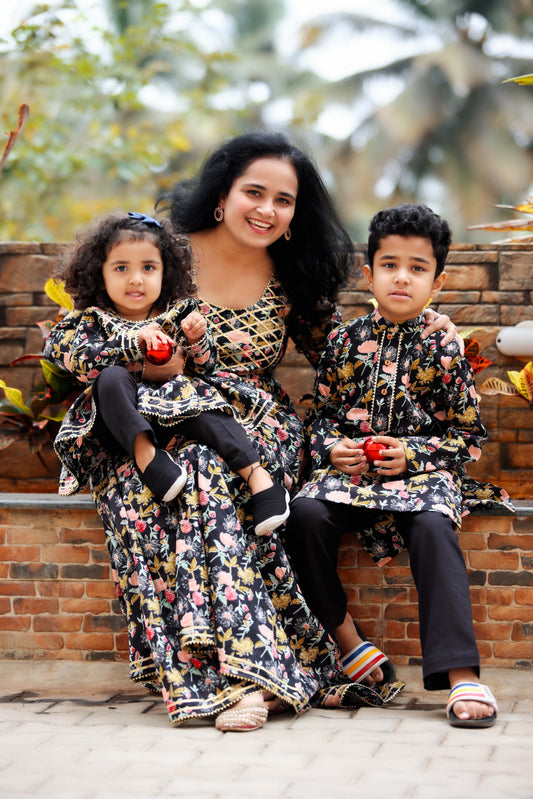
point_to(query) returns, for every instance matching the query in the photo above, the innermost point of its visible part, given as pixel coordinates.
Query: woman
(215, 617)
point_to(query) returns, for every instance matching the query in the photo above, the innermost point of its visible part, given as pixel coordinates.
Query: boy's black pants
(313, 536)
(119, 421)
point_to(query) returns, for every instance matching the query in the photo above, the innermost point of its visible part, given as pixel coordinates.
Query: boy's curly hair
(411, 220)
(81, 265)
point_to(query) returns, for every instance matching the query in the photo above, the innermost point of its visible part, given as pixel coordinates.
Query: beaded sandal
(242, 719)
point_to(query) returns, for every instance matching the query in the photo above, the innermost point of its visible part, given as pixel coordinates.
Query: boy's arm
(322, 422)
(462, 433)
(84, 344)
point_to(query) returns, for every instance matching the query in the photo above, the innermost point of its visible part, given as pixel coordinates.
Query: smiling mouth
(257, 224)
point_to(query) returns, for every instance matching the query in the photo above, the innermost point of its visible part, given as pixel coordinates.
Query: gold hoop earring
(288, 234)
(219, 213)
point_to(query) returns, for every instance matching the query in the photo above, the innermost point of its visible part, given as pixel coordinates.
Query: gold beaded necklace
(375, 386)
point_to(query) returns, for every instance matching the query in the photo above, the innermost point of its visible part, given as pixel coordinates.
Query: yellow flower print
(426, 375)
(247, 576)
(280, 602)
(468, 417)
(243, 648)
(346, 372)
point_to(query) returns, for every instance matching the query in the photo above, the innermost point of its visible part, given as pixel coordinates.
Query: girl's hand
(151, 335)
(347, 456)
(393, 459)
(194, 326)
(436, 321)
(161, 374)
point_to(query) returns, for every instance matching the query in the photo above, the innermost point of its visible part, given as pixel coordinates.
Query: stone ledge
(523, 507)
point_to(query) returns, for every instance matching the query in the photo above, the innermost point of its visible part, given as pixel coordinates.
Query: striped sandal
(361, 661)
(471, 692)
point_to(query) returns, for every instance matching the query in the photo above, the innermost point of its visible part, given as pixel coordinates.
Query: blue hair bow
(148, 220)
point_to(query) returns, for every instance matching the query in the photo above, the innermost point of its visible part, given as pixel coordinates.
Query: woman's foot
(164, 477)
(250, 713)
(470, 704)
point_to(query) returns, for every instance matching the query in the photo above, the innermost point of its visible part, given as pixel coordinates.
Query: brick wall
(57, 598)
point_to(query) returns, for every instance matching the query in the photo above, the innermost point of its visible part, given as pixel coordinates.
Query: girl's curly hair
(81, 265)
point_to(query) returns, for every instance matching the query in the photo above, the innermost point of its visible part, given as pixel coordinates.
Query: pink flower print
(355, 479)
(204, 484)
(365, 427)
(389, 368)
(122, 512)
(395, 485)
(238, 337)
(150, 632)
(280, 572)
(170, 596)
(181, 546)
(184, 657)
(446, 362)
(200, 359)
(197, 598)
(225, 578)
(367, 347)
(271, 422)
(132, 515)
(440, 415)
(266, 632)
(203, 498)
(357, 413)
(185, 526)
(187, 620)
(227, 540)
(133, 579)
(92, 374)
(338, 496)
(282, 434)
(446, 378)
(193, 585)
(323, 390)
(230, 593)
(140, 525)
(474, 452)
(159, 585)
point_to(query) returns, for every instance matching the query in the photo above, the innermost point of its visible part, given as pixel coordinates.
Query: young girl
(129, 279)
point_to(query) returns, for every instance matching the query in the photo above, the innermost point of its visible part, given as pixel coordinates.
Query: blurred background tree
(126, 102)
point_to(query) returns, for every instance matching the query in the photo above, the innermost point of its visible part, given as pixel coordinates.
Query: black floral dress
(377, 377)
(213, 611)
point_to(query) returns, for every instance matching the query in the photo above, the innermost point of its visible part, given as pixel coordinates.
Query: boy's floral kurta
(380, 378)
(213, 612)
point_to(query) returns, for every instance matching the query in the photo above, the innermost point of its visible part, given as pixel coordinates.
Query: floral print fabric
(213, 611)
(380, 378)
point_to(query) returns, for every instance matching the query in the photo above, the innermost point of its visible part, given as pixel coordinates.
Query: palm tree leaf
(494, 385)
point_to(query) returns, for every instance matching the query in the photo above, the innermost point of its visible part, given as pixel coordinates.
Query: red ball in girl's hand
(371, 450)
(160, 354)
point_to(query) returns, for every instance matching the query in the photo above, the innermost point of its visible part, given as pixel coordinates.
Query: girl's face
(260, 205)
(132, 275)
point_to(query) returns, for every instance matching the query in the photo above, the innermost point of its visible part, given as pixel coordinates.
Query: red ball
(161, 353)
(371, 450)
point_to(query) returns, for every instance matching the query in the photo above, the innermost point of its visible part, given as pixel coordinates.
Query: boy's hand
(150, 336)
(435, 322)
(347, 456)
(393, 461)
(194, 326)
(161, 374)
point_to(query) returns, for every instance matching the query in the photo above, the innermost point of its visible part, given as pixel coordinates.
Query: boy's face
(403, 278)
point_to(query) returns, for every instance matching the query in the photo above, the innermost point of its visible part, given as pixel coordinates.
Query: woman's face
(260, 205)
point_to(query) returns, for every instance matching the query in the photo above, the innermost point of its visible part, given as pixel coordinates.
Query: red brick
(470, 541)
(522, 650)
(50, 588)
(61, 553)
(364, 612)
(347, 557)
(492, 631)
(84, 606)
(82, 536)
(15, 623)
(403, 613)
(57, 624)
(122, 644)
(16, 588)
(479, 613)
(36, 641)
(104, 589)
(511, 614)
(29, 535)
(359, 576)
(14, 553)
(403, 648)
(487, 524)
(4, 570)
(96, 641)
(492, 596)
(524, 596)
(35, 606)
(522, 632)
(5, 606)
(510, 542)
(494, 560)
(395, 629)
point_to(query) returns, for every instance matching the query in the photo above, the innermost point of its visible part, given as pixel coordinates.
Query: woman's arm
(435, 322)
(310, 336)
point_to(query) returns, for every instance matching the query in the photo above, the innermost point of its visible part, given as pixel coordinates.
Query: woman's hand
(347, 456)
(160, 374)
(393, 459)
(436, 321)
(150, 336)
(194, 326)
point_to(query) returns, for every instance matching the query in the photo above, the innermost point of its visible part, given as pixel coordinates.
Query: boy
(377, 378)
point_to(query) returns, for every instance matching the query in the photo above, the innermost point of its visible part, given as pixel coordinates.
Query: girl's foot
(270, 508)
(164, 477)
(250, 713)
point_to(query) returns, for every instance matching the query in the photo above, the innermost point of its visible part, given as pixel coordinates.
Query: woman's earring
(219, 213)
(288, 234)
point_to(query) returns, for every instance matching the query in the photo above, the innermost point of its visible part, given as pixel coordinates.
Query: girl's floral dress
(377, 377)
(213, 611)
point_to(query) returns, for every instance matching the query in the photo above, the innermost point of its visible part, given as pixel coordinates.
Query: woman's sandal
(242, 719)
(471, 692)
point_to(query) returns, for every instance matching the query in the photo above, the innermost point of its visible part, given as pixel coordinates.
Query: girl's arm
(86, 342)
(200, 345)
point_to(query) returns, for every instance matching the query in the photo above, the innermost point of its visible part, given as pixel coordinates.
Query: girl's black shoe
(270, 508)
(164, 477)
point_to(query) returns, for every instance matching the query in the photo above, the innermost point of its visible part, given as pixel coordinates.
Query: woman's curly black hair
(81, 265)
(316, 262)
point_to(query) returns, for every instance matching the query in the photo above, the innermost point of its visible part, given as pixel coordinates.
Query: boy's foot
(270, 508)
(471, 704)
(363, 660)
(164, 477)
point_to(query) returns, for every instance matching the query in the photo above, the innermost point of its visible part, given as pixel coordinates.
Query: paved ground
(82, 731)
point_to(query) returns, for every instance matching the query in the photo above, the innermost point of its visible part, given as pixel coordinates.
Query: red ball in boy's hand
(160, 354)
(371, 450)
